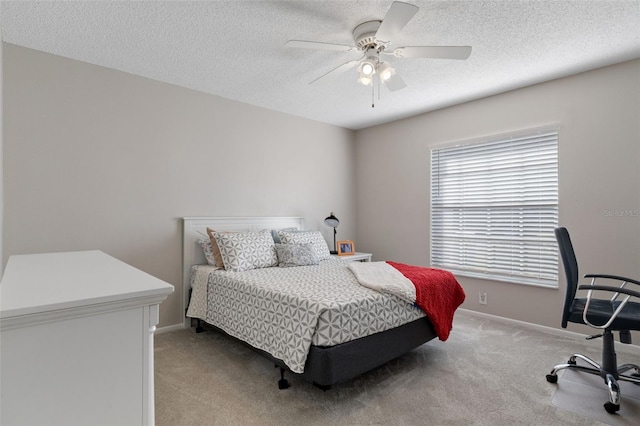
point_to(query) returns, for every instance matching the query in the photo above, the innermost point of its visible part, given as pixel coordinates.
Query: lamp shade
(332, 221)
(385, 71)
(367, 68)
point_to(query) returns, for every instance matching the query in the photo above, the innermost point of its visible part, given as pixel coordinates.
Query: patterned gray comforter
(285, 310)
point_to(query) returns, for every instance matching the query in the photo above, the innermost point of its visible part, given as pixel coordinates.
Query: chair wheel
(611, 408)
(552, 378)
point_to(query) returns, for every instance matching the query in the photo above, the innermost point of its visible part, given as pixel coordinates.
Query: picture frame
(346, 248)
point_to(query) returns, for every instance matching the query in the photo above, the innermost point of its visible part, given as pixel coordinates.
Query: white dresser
(76, 340)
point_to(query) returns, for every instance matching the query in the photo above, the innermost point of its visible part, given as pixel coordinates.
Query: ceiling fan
(374, 38)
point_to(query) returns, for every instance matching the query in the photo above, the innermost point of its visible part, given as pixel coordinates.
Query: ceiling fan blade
(397, 17)
(438, 52)
(395, 83)
(340, 69)
(319, 45)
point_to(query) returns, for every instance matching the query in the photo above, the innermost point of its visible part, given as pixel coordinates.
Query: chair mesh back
(570, 269)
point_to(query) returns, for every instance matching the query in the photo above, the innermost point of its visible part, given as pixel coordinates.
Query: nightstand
(356, 257)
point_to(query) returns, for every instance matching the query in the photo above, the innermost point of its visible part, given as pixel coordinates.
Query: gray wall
(1, 153)
(99, 159)
(597, 114)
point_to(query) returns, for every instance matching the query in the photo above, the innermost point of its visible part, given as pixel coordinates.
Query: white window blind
(494, 206)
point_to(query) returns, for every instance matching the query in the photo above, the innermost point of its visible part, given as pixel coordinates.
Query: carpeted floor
(585, 394)
(489, 372)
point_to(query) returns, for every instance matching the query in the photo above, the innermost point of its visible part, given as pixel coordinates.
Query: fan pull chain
(373, 83)
(372, 96)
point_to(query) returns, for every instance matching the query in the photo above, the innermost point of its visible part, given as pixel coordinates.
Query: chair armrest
(613, 277)
(611, 289)
(617, 290)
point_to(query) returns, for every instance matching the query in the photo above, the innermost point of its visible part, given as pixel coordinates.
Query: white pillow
(315, 238)
(242, 251)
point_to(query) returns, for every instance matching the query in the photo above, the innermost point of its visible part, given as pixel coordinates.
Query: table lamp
(333, 222)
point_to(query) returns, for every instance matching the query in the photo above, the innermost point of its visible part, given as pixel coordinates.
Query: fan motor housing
(365, 35)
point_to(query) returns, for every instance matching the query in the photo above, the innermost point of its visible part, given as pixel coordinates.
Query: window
(494, 206)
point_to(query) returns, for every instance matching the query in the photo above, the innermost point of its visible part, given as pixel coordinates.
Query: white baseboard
(544, 328)
(169, 328)
(556, 331)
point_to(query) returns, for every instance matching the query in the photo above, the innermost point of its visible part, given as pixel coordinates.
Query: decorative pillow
(208, 251)
(276, 237)
(296, 255)
(217, 257)
(242, 251)
(314, 237)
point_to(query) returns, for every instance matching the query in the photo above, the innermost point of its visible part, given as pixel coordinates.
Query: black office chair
(605, 314)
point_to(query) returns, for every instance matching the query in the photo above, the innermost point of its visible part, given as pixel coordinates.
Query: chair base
(610, 377)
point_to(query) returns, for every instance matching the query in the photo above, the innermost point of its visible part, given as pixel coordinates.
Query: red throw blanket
(438, 294)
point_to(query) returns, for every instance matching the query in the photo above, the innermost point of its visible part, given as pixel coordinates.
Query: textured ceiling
(235, 49)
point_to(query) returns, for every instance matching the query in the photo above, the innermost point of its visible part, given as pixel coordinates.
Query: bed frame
(325, 366)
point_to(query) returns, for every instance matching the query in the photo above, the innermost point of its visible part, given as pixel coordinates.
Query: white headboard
(195, 228)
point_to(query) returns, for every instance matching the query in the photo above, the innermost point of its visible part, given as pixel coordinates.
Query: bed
(315, 321)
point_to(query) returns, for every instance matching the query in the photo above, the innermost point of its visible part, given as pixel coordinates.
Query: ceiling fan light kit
(385, 71)
(374, 38)
(368, 67)
(364, 80)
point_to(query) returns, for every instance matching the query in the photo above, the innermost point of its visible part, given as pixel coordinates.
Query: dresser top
(37, 283)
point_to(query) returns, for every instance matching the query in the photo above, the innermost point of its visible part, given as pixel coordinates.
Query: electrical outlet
(483, 298)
